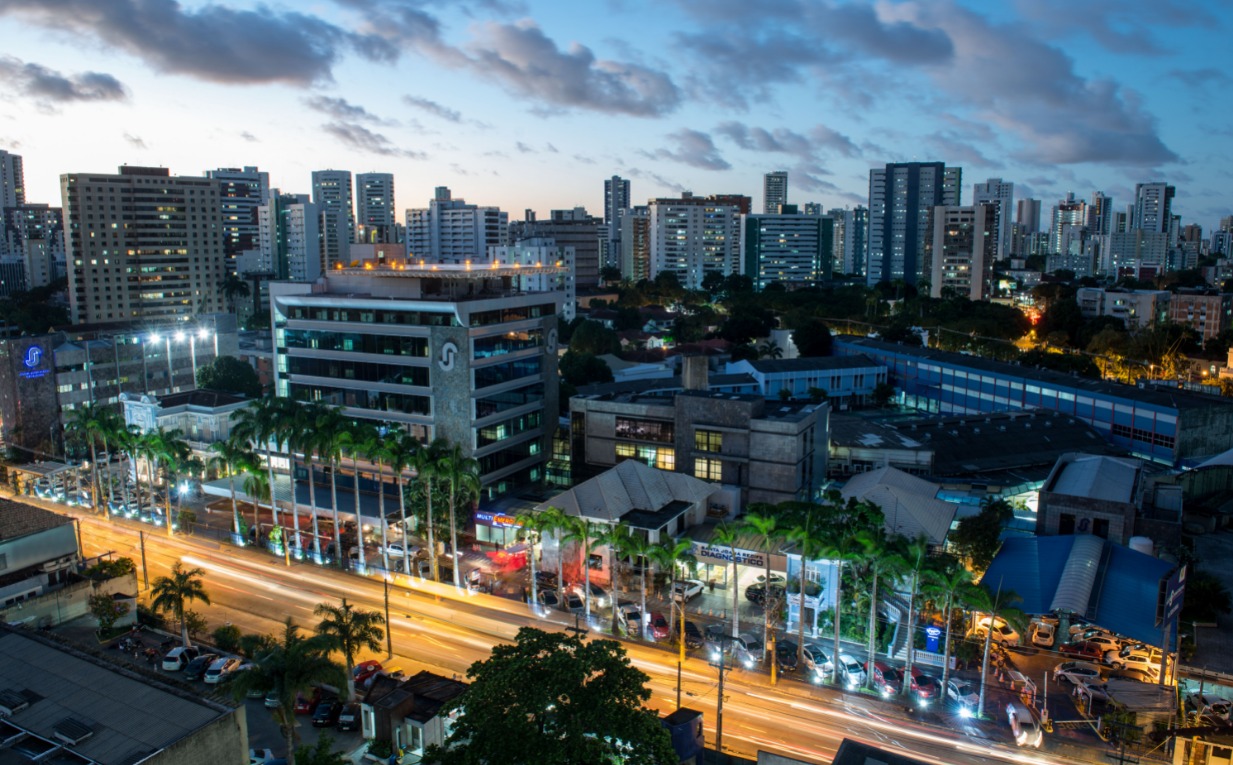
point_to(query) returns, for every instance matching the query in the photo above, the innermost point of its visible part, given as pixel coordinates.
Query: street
(441, 629)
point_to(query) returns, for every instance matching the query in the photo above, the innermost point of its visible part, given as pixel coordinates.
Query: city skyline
(522, 105)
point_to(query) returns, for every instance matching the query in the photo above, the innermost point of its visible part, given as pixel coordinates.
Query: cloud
(342, 109)
(584, 159)
(523, 148)
(135, 141)
(209, 42)
(530, 64)
(247, 136)
(433, 108)
(50, 85)
(1197, 78)
(784, 141)
(362, 139)
(1120, 26)
(693, 148)
(551, 149)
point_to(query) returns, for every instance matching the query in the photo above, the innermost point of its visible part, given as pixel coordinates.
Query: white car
(1077, 672)
(395, 550)
(260, 756)
(1209, 706)
(817, 662)
(1002, 632)
(1139, 662)
(1106, 642)
(686, 590)
(1043, 634)
(852, 670)
(220, 670)
(629, 616)
(962, 692)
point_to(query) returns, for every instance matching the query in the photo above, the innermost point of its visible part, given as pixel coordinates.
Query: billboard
(1172, 596)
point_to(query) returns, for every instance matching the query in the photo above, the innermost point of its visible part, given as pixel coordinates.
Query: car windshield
(892, 676)
(963, 689)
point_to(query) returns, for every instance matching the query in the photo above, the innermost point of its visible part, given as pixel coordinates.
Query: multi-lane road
(438, 628)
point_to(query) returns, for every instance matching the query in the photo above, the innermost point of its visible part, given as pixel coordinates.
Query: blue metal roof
(1113, 586)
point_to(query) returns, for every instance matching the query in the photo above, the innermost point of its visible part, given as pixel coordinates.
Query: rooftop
(113, 714)
(1096, 477)
(662, 385)
(631, 487)
(909, 504)
(19, 520)
(1175, 398)
(206, 399)
(422, 270)
(812, 363)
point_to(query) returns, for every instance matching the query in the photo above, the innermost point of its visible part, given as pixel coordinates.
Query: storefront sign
(497, 519)
(725, 554)
(932, 636)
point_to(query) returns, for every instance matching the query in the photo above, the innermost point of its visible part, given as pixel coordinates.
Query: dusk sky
(533, 104)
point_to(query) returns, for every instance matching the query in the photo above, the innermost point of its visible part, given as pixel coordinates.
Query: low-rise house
(411, 714)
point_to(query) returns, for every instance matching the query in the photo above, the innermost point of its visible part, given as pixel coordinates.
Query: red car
(924, 686)
(1084, 650)
(305, 706)
(659, 626)
(365, 670)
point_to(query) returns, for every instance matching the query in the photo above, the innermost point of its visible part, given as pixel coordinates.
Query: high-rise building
(691, 236)
(1028, 215)
(774, 191)
(1068, 225)
(290, 238)
(143, 245)
(1100, 214)
(375, 208)
(1153, 207)
(999, 195)
(636, 244)
(332, 196)
(851, 239)
(451, 231)
(574, 229)
(242, 191)
(12, 180)
(616, 203)
(787, 248)
(901, 201)
(31, 246)
(964, 248)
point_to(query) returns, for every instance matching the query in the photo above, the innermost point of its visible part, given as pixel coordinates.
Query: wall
(1120, 515)
(71, 602)
(221, 742)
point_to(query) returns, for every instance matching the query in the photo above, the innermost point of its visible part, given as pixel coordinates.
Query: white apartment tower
(1153, 209)
(12, 180)
(332, 196)
(774, 191)
(692, 236)
(964, 246)
(375, 208)
(451, 231)
(1000, 195)
(142, 245)
(241, 192)
(290, 237)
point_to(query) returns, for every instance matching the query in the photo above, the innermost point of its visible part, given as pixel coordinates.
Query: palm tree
(350, 631)
(553, 520)
(233, 287)
(306, 428)
(463, 476)
(949, 585)
(978, 598)
(840, 547)
(400, 448)
(228, 455)
(426, 463)
(670, 554)
(259, 423)
(617, 539)
(292, 431)
(359, 439)
(770, 350)
(331, 427)
(911, 558)
(638, 548)
(581, 531)
(876, 550)
(727, 534)
(171, 593)
(810, 543)
(534, 524)
(765, 526)
(292, 665)
(256, 485)
(85, 423)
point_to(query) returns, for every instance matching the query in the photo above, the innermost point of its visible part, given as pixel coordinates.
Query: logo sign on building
(743, 557)
(1174, 594)
(932, 636)
(33, 363)
(499, 520)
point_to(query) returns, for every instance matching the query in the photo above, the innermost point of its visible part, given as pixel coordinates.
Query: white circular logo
(552, 341)
(447, 356)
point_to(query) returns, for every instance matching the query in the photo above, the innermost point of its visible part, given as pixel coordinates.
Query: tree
(609, 275)
(171, 593)
(670, 555)
(911, 558)
(107, 610)
(322, 753)
(331, 430)
(229, 456)
(86, 423)
(230, 375)
(978, 537)
(813, 338)
(949, 585)
(594, 338)
(578, 369)
(807, 537)
(258, 423)
(233, 287)
(350, 631)
(728, 534)
(359, 439)
(760, 521)
(286, 667)
(462, 474)
(427, 468)
(398, 449)
(883, 394)
(586, 704)
(586, 535)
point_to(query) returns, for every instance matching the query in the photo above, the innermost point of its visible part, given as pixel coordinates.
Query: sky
(531, 105)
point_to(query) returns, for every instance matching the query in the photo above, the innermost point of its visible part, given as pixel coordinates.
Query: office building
(458, 352)
(999, 195)
(332, 196)
(1166, 425)
(32, 238)
(143, 245)
(534, 253)
(635, 259)
(12, 180)
(1138, 309)
(901, 201)
(851, 238)
(1068, 226)
(787, 248)
(1027, 215)
(375, 208)
(774, 191)
(692, 236)
(845, 381)
(290, 242)
(964, 248)
(1153, 209)
(573, 229)
(451, 231)
(616, 203)
(241, 192)
(1207, 312)
(1100, 214)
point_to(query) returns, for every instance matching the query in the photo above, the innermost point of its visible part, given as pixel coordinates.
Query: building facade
(32, 239)
(693, 236)
(1138, 309)
(574, 230)
(999, 195)
(290, 238)
(774, 191)
(846, 381)
(375, 208)
(451, 231)
(965, 244)
(336, 206)
(901, 201)
(442, 351)
(241, 192)
(787, 248)
(143, 245)
(12, 180)
(1208, 312)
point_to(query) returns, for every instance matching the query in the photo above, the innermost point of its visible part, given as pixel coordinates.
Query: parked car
(886, 679)
(629, 617)
(1097, 691)
(1077, 672)
(923, 686)
(787, 655)
(1105, 643)
(396, 549)
(220, 670)
(198, 666)
(1206, 705)
(817, 662)
(757, 592)
(546, 579)
(548, 598)
(573, 603)
(693, 635)
(260, 756)
(686, 590)
(364, 670)
(178, 658)
(851, 670)
(962, 693)
(349, 717)
(1024, 725)
(305, 706)
(327, 713)
(1141, 663)
(1043, 634)
(747, 649)
(271, 700)
(659, 628)
(1083, 650)
(1132, 655)
(599, 596)
(1003, 633)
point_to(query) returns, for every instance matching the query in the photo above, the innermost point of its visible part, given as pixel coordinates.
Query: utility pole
(389, 632)
(145, 573)
(719, 707)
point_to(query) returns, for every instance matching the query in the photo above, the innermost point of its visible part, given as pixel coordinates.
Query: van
(1023, 725)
